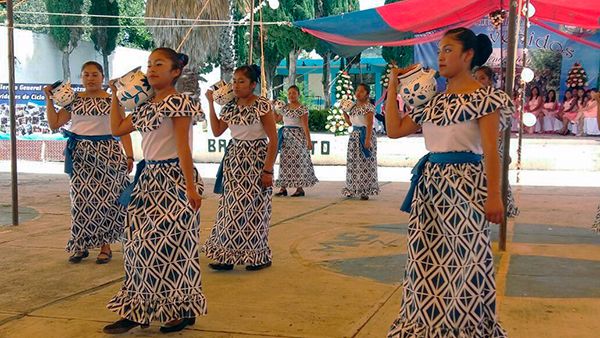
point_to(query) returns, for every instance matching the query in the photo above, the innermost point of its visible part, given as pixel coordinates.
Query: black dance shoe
(78, 256)
(122, 325)
(364, 198)
(281, 193)
(220, 266)
(179, 326)
(258, 267)
(298, 194)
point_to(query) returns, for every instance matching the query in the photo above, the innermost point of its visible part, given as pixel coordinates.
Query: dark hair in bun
(480, 44)
(178, 60)
(250, 71)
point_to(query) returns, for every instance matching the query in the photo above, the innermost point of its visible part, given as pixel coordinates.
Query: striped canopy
(418, 21)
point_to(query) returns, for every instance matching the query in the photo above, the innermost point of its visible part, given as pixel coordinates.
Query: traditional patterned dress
(241, 231)
(361, 164)
(295, 166)
(98, 169)
(162, 267)
(511, 205)
(449, 288)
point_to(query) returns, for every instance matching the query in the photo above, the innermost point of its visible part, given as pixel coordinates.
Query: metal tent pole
(11, 103)
(513, 42)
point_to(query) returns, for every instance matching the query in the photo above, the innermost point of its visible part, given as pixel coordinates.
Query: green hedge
(317, 119)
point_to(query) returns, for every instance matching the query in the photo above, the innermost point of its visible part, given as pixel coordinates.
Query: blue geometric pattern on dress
(449, 288)
(161, 253)
(89, 106)
(294, 112)
(446, 109)
(362, 109)
(361, 171)
(232, 113)
(148, 116)
(295, 165)
(241, 231)
(99, 175)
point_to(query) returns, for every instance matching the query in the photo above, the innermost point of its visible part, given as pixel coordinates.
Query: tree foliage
(547, 65)
(26, 18)
(324, 8)
(104, 38)
(290, 38)
(66, 38)
(132, 33)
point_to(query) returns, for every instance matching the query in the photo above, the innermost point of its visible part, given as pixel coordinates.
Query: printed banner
(30, 108)
(549, 55)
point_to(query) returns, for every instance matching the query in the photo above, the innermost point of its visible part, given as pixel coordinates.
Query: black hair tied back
(483, 50)
(183, 59)
(252, 72)
(480, 44)
(256, 70)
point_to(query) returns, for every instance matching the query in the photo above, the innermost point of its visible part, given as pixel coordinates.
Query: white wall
(39, 61)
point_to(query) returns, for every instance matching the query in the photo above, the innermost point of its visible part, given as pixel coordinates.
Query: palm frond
(203, 42)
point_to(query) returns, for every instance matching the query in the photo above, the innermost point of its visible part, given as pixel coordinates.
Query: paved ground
(336, 273)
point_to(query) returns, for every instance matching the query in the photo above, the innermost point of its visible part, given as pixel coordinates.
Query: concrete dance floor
(336, 271)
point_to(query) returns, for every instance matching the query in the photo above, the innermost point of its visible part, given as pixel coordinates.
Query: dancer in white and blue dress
(295, 166)
(96, 165)
(240, 235)
(161, 251)
(485, 75)
(361, 162)
(449, 288)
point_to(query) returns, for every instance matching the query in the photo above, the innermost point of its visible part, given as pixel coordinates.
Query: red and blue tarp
(419, 21)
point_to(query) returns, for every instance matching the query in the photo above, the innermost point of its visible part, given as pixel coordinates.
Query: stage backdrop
(549, 54)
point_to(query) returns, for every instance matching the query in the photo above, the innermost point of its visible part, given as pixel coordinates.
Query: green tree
(304, 100)
(403, 56)
(132, 33)
(26, 18)
(290, 41)
(546, 64)
(272, 54)
(324, 8)
(104, 38)
(65, 38)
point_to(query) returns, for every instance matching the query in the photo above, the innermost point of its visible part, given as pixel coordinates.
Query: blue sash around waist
(125, 196)
(440, 158)
(218, 189)
(72, 140)
(362, 136)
